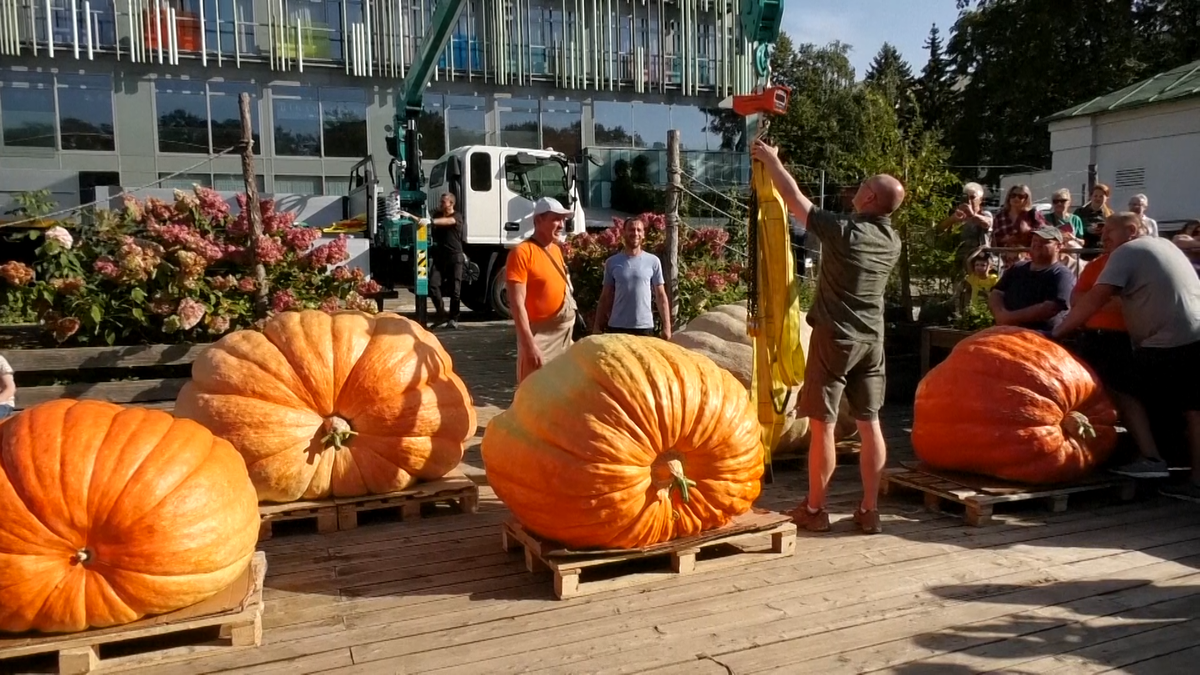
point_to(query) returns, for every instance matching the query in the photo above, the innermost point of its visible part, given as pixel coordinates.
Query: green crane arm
(410, 96)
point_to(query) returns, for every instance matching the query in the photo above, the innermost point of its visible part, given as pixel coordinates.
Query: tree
(891, 75)
(934, 92)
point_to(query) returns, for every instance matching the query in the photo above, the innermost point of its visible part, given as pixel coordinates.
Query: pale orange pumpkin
(109, 514)
(339, 405)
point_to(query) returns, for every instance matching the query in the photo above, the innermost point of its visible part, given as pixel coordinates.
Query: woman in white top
(8, 389)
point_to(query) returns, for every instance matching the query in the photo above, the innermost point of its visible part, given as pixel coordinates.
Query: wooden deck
(1105, 587)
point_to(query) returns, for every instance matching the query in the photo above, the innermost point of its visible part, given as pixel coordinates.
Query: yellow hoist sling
(773, 301)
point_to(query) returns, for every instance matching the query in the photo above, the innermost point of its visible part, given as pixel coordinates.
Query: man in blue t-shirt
(631, 278)
(1036, 293)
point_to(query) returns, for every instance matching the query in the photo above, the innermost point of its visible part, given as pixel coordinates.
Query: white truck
(495, 189)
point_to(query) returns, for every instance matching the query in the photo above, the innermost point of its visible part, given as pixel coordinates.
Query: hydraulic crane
(773, 303)
(404, 144)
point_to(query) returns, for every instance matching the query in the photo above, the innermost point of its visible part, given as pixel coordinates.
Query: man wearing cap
(1035, 293)
(539, 290)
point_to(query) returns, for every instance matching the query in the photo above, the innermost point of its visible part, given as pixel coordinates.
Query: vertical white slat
(283, 59)
(75, 28)
(33, 27)
(368, 34)
(158, 28)
(299, 45)
(237, 35)
(217, 34)
(6, 40)
(173, 35)
(203, 37)
(87, 26)
(49, 29)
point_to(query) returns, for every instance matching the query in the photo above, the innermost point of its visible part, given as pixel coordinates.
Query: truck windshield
(545, 178)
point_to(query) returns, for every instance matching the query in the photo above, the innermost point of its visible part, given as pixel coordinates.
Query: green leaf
(138, 295)
(110, 336)
(138, 314)
(97, 314)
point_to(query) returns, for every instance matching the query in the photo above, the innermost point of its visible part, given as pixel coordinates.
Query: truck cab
(495, 189)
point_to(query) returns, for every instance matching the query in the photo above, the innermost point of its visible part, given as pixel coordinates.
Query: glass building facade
(131, 91)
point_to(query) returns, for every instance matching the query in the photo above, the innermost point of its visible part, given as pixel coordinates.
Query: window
(85, 112)
(613, 124)
(299, 185)
(227, 23)
(182, 109)
(344, 113)
(562, 126)
(546, 178)
(518, 122)
(437, 175)
(224, 182)
(432, 127)
(651, 122)
(225, 116)
(27, 110)
(692, 124)
(297, 121)
(466, 121)
(481, 172)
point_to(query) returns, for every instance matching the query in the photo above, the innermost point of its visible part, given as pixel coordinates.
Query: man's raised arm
(797, 203)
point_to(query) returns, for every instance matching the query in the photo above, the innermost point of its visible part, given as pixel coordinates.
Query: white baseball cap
(550, 205)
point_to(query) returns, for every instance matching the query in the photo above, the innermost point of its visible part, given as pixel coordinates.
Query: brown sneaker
(813, 522)
(868, 521)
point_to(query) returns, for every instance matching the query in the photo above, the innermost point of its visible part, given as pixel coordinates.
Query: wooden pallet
(237, 611)
(341, 513)
(979, 494)
(745, 535)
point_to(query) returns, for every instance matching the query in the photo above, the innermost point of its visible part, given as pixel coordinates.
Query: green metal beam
(412, 89)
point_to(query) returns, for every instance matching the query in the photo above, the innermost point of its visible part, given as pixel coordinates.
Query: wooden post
(674, 197)
(256, 226)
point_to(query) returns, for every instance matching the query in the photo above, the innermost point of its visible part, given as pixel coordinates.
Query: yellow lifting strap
(778, 353)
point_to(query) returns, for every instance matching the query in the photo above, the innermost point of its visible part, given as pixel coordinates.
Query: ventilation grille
(1130, 179)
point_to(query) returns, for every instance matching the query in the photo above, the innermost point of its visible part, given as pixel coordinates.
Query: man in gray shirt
(1160, 298)
(631, 278)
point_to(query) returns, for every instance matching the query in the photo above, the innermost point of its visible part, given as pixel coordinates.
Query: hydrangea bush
(164, 273)
(711, 272)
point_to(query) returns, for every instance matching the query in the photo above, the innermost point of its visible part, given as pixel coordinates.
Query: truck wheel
(500, 295)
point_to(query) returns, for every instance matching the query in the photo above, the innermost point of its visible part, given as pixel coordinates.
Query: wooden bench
(86, 365)
(940, 338)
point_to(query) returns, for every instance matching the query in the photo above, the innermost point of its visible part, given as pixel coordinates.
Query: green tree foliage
(934, 92)
(891, 76)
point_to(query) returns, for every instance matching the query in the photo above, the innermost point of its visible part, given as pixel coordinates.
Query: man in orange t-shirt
(1105, 345)
(539, 294)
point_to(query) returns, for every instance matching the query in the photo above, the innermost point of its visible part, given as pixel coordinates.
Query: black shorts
(835, 366)
(1170, 375)
(1110, 354)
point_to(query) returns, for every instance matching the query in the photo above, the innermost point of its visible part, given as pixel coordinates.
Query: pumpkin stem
(1082, 428)
(338, 433)
(81, 557)
(679, 480)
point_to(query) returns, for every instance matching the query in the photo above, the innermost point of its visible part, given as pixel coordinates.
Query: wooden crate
(940, 338)
(741, 542)
(980, 495)
(101, 362)
(237, 611)
(341, 513)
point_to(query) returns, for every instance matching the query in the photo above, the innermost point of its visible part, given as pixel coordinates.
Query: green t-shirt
(858, 254)
(1071, 219)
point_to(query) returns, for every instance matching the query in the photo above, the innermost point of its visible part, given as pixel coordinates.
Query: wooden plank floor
(1100, 588)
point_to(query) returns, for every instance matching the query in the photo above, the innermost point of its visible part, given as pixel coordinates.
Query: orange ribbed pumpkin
(624, 442)
(1012, 404)
(109, 514)
(339, 405)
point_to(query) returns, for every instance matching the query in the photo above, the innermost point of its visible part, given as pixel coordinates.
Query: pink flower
(247, 285)
(60, 236)
(330, 305)
(342, 274)
(715, 282)
(65, 328)
(212, 206)
(369, 287)
(190, 313)
(16, 273)
(105, 267)
(300, 239)
(223, 283)
(217, 325)
(332, 253)
(358, 302)
(191, 265)
(68, 286)
(283, 301)
(269, 250)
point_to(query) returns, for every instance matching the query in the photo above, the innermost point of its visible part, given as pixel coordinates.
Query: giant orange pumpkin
(109, 514)
(339, 405)
(1012, 404)
(624, 442)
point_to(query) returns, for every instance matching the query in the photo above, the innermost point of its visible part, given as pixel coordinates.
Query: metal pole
(821, 204)
(256, 226)
(674, 195)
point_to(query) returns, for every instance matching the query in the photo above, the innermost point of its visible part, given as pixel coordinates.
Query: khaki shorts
(835, 366)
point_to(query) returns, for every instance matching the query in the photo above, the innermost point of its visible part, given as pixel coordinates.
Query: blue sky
(867, 24)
